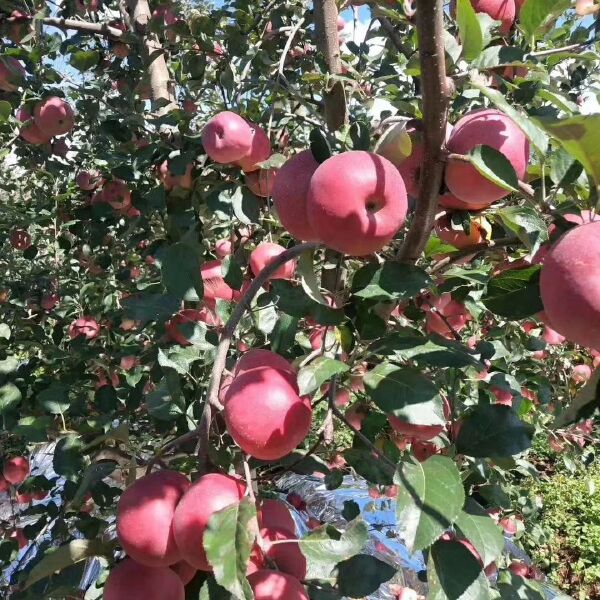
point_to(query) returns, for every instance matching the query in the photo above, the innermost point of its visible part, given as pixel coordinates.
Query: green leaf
(526, 223)
(9, 365)
(405, 393)
(180, 270)
(4, 331)
(163, 404)
(469, 29)
(390, 281)
(5, 110)
(10, 397)
(481, 530)
(211, 590)
(283, 334)
(430, 498)
(317, 372)
(493, 431)
(362, 575)
(454, 573)
(531, 129)
(232, 273)
(55, 399)
(308, 278)
(84, 60)
(513, 587)
(57, 559)
(497, 56)
(536, 13)
(495, 167)
(585, 404)
(68, 459)
(92, 475)
(181, 359)
(325, 547)
(351, 510)
(580, 136)
(431, 350)
(515, 294)
(228, 540)
(33, 429)
(151, 307)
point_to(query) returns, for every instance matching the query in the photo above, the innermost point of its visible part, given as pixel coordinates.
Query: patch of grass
(566, 539)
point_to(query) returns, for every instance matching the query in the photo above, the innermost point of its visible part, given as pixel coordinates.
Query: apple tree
(247, 238)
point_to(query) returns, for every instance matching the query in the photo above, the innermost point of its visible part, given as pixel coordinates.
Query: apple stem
(430, 30)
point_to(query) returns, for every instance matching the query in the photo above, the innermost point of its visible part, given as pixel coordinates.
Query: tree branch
(212, 394)
(103, 29)
(394, 36)
(328, 43)
(430, 29)
(161, 86)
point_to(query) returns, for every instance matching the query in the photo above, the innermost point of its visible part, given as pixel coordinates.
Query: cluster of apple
(113, 192)
(161, 521)
(48, 118)
(229, 139)
(357, 214)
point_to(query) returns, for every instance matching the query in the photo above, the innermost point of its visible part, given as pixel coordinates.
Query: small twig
(212, 394)
(363, 438)
(394, 36)
(430, 29)
(249, 483)
(570, 48)
(525, 188)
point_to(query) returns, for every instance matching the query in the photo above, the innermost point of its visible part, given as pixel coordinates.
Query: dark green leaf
(92, 475)
(431, 350)
(334, 479)
(513, 587)
(232, 273)
(368, 465)
(55, 399)
(405, 393)
(493, 431)
(319, 146)
(362, 575)
(151, 307)
(454, 573)
(430, 498)
(68, 459)
(351, 510)
(84, 60)
(245, 206)
(163, 405)
(180, 269)
(33, 429)
(526, 223)
(390, 281)
(515, 294)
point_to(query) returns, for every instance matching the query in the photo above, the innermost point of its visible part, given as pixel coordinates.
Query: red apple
(581, 373)
(260, 150)
(264, 254)
(454, 313)
(273, 585)
(215, 287)
(356, 202)
(16, 470)
(520, 569)
(184, 571)
(19, 239)
(457, 237)
(487, 127)
(29, 131)
(117, 194)
(187, 317)
(275, 514)
(171, 181)
(290, 193)
(144, 515)
(130, 580)
(88, 180)
(452, 202)
(54, 116)
(223, 248)
(208, 495)
(261, 182)
(12, 74)
(570, 285)
(258, 358)
(19, 537)
(552, 338)
(87, 327)
(264, 414)
(285, 553)
(419, 432)
(227, 137)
